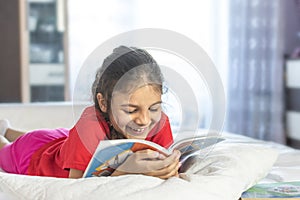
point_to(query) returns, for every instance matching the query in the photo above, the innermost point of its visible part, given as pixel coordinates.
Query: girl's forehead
(132, 89)
(146, 91)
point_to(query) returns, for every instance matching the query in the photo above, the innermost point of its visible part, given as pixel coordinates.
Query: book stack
(278, 191)
(292, 102)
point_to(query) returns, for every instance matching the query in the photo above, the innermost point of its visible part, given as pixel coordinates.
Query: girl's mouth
(136, 131)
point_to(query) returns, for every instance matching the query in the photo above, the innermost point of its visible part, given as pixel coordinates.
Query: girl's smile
(135, 131)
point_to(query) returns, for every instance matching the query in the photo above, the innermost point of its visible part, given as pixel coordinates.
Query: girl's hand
(151, 163)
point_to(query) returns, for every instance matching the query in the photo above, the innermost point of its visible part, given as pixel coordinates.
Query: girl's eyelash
(154, 109)
(129, 112)
(151, 109)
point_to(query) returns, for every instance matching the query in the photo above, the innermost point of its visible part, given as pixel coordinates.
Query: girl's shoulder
(91, 119)
(91, 112)
(90, 127)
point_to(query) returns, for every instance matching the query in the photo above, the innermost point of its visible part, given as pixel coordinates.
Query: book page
(190, 145)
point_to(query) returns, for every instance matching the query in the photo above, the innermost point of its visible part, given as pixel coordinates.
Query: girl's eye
(154, 109)
(130, 111)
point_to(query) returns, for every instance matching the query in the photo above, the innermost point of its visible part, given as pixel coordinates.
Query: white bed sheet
(232, 167)
(287, 165)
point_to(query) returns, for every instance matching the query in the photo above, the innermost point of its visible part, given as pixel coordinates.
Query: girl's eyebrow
(135, 106)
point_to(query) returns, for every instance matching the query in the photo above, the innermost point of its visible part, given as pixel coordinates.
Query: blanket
(223, 173)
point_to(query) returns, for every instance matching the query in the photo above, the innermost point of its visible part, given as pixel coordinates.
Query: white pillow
(224, 174)
(231, 169)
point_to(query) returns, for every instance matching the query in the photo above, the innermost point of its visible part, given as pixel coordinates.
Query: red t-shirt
(57, 157)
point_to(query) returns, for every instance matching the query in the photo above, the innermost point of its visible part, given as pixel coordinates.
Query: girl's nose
(143, 119)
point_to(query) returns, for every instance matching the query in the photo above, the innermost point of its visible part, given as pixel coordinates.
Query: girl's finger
(147, 154)
(167, 170)
(172, 173)
(161, 164)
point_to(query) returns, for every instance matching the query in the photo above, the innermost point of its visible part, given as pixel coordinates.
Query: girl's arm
(75, 173)
(145, 162)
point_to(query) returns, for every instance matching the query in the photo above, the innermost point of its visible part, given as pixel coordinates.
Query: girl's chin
(128, 136)
(135, 136)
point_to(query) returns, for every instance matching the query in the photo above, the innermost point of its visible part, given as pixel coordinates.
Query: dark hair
(137, 65)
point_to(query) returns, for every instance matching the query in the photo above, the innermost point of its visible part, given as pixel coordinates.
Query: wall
(10, 53)
(41, 115)
(38, 116)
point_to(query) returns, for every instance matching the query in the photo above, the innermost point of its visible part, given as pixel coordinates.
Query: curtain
(255, 76)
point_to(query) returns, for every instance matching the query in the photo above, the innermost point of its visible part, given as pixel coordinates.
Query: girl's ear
(102, 102)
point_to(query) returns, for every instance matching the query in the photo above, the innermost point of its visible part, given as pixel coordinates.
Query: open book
(112, 153)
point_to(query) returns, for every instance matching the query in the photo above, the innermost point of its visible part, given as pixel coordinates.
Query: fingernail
(161, 156)
(179, 164)
(155, 154)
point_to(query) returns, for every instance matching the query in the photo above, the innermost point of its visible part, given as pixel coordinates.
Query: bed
(232, 167)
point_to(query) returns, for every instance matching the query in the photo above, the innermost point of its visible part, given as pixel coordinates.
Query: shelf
(47, 74)
(46, 67)
(46, 37)
(41, 1)
(293, 71)
(292, 102)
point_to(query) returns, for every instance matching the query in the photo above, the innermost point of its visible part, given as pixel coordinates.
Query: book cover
(280, 190)
(112, 153)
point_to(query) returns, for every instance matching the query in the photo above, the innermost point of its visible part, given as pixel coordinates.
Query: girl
(127, 104)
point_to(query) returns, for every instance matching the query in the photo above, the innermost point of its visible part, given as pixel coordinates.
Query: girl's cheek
(122, 120)
(156, 117)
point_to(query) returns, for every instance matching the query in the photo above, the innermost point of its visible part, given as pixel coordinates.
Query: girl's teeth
(138, 130)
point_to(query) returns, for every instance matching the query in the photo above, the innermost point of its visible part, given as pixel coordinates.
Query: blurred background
(255, 45)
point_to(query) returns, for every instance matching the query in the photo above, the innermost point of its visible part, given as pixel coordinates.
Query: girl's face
(135, 114)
